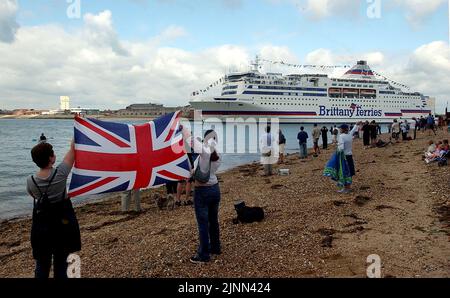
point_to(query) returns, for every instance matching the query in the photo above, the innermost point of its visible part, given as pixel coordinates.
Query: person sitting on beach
(441, 150)
(302, 138)
(206, 195)
(282, 145)
(431, 147)
(267, 145)
(445, 146)
(55, 231)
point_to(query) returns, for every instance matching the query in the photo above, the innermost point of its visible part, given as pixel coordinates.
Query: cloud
(173, 32)
(99, 30)
(46, 62)
(418, 10)
(8, 23)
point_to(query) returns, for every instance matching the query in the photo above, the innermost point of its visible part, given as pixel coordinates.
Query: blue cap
(343, 126)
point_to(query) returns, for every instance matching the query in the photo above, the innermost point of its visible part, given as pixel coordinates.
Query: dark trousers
(44, 263)
(206, 204)
(325, 143)
(351, 165)
(366, 139)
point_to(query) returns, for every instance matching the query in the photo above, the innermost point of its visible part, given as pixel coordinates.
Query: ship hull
(239, 111)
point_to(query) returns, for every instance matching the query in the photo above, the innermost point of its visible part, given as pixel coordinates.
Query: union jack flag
(112, 157)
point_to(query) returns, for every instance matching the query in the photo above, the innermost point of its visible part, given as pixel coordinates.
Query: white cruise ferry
(312, 98)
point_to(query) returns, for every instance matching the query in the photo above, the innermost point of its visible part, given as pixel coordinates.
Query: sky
(109, 54)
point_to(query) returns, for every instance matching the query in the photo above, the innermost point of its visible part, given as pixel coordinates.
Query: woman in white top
(345, 144)
(206, 196)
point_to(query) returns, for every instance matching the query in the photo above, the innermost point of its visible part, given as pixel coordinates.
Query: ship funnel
(360, 71)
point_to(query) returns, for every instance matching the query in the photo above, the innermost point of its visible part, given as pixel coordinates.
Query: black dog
(247, 214)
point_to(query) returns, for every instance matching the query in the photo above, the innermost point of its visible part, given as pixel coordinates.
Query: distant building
(64, 103)
(27, 112)
(85, 111)
(146, 110)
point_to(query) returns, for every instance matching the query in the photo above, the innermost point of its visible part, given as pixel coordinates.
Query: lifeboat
(335, 91)
(368, 91)
(350, 91)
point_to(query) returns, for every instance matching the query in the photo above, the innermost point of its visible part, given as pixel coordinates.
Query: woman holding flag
(206, 195)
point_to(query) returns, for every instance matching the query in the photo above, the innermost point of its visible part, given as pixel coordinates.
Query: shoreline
(71, 117)
(399, 210)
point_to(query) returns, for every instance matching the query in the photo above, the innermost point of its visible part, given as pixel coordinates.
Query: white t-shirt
(205, 151)
(345, 141)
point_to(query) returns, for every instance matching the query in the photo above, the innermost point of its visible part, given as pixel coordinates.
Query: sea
(19, 136)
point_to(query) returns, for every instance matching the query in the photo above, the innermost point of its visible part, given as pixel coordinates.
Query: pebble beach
(399, 209)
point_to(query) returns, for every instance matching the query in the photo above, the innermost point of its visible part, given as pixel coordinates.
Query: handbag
(200, 176)
(54, 225)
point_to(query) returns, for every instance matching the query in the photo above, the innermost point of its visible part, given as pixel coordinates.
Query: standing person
(378, 129)
(395, 130)
(43, 138)
(423, 124)
(206, 195)
(126, 199)
(302, 138)
(324, 133)
(345, 144)
(335, 134)
(416, 127)
(316, 136)
(267, 145)
(187, 183)
(171, 189)
(366, 134)
(282, 145)
(404, 129)
(430, 123)
(373, 132)
(55, 232)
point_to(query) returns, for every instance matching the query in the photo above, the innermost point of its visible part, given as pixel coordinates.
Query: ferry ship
(312, 98)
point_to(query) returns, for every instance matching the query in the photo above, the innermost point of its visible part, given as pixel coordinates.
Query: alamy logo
(374, 269)
(74, 9)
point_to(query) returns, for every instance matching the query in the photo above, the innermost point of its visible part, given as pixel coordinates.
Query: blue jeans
(206, 204)
(303, 150)
(43, 265)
